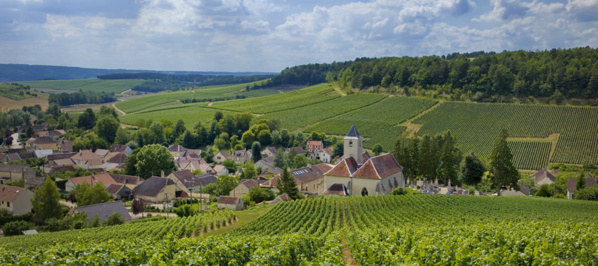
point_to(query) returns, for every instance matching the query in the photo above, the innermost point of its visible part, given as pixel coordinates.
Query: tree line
(66, 99)
(481, 76)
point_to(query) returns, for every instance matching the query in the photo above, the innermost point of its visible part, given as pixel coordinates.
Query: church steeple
(354, 145)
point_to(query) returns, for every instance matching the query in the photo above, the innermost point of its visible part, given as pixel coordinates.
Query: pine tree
(504, 173)
(256, 151)
(286, 184)
(450, 157)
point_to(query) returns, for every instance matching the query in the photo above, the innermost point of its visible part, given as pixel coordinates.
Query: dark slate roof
(353, 132)
(43, 140)
(307, 174)
(152, 186)
(118, 148)
(114, 188)
(59, 155)
(12, 157)
(571, 184)
(207, 179)
(103, 210)
(189, 180)
(119, 158)
(523, 188)
(174, 148)
(13, 168)
(541, 174)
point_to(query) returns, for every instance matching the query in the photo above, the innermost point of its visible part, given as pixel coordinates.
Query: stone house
(92, 180)
(542, 177)
(220, 170)
(233, 203)
(241, 156)
(310, 179)
(221, 156)
(16, 200)
(14, 172)
(156, 189)
(282, 198)
(244, 186)
(121, 149)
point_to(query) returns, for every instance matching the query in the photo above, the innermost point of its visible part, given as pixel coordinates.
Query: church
(359, 174)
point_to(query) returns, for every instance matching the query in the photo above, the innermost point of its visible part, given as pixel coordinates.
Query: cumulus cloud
(583, 10)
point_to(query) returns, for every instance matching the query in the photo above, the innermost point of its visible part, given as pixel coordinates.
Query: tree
(581, 182)
(287, 184)
(256, 151)
(152, 160)
(87, 119)
(299, 161)
(114, 219)
(230, 165)
(106, 128)
(279, 158)
(138, 206)
(504, 173)
(258, 194)
(179, 129)
(16, 228)
(377, 149)
(449, 160)
(188, 140)
(87, 195)
(222, 187)
(472, 170)
(122, 137)
(45, 202)
(338, 150)
(249, 171)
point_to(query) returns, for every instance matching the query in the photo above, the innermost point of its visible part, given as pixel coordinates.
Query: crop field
(476, 126)
(279, 102)
(530, 155)
(10, 98)
(97, 85)
(211, 92)
(375, 230)
(189, 113)
(293, 119)
(378, 122)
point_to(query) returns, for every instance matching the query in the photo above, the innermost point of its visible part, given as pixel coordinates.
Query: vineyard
(189, 113)
(378, 122)
(476, 126)
(530, 155)
(97, 85)
(377, 230)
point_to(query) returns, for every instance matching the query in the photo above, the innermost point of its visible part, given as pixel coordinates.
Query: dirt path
(341, 92)
(411, 129)
(121, 112)
(347, 257)
(210, 103)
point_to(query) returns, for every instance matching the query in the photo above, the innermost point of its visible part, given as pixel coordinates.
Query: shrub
(399, 191)
(114, 219)
(16, 228)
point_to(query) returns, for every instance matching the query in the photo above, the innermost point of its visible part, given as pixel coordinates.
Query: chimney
(162, 173)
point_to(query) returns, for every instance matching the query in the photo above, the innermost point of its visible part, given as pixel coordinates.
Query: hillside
(376, 230)
(92, 84)
(16, 96)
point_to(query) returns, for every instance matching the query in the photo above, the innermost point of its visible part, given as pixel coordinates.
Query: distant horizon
(271, 35)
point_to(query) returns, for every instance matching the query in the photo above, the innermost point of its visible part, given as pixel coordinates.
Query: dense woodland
(558, 73)
(156, 82)
(66, 99)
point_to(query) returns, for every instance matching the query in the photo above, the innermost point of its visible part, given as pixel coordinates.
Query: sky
(268, 36)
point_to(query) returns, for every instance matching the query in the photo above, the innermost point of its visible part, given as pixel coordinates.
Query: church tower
(354, 145)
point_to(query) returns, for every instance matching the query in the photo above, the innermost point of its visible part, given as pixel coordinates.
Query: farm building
(16, 200)
(233, 203)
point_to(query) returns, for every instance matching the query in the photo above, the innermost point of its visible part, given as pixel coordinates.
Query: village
(194, 180)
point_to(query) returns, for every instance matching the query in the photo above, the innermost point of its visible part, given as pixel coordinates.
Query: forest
(66, 99)
(557, 73)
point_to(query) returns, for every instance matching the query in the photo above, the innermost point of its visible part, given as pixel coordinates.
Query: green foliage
(151, 160)
(106, 128)
(299, 161)
(114, 219)
(94, 85)
(223, 186)
(256, 151)
(504, 173)
(16, 228)
(399, 191)
(45, 202)
(472, 170)
(286, 184)
(87, 119)
(377, 149)
(588, 193)
(544, 191)
(258, 194)
(87, 195)
(249, 171)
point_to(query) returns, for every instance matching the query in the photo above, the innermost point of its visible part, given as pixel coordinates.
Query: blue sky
(260, 35)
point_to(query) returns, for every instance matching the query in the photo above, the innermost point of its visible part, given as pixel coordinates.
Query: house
(298, 150)
(55, 134)
(233, 203)
(104, 210)
(220, 170)
(92, 180)
(523, 191)
(102, 153)
(44, 143)
(14, 172)
(311, 179)
(128, 180)
(120, 191)
(42, 153)
(65, 145)
(378, 175)
(313, 148)
(265, 163)
(187, 182)
(221, 156)
(244, 186)
(572, 185)
(269, 152)
(177, 151)
(282, 198)
(118, 158)
(121, 149)
(11, 157)
(87, 159)
(16, 200)
(241, 156)
(542, 177)
(156, 189)
(325, 155)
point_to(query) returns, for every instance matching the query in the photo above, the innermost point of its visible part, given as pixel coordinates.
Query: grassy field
(374, 230)
(98, 85)
(11, 98)
(189, 113)
(150, 101)
(477, 125)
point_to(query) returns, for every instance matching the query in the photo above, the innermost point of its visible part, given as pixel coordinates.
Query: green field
(98, 85)
(211, 92)
(14, 93)
(296, 118)
(280, 102)
(189, 113)
(375, 230)
(477, 125)
(378, 123)
(530, 155)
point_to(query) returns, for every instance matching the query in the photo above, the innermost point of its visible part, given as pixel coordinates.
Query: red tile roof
(345, 168)
(228, 200)
(10, 193)
(106, 179)
(379, 167)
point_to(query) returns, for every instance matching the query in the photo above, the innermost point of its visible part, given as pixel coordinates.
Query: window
(350, 143)
(7, 204)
